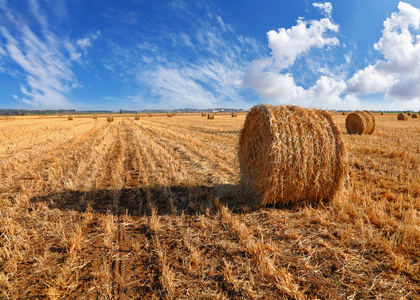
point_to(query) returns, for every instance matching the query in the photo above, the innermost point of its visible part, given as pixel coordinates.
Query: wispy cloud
(87, 41)
(41, 58)
(200, 67)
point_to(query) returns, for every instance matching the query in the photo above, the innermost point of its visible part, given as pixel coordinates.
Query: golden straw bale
(169, 115)
(203, 114)
(110, 118)
(70, 118)
(382, 113)
(136, 117)
(360, 122)
(210, 116)
(149, 115)
(343, 113)
(288, 154)
(409, 114)
(95, 117)
(402, 117)
(234, 115)
(414, 116)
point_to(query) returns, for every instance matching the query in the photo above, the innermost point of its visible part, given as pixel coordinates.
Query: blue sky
(147, 54)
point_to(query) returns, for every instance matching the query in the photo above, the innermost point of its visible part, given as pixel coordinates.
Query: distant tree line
(25, 112)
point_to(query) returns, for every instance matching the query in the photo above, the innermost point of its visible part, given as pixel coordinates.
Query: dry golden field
(151, 209)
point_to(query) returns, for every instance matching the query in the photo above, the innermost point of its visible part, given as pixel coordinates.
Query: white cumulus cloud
(397, 76)
(268, 76)
(287, 44)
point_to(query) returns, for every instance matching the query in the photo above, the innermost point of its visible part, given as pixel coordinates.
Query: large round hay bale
(409, 114)
(402, 117)
(234, 115)
(382, 113)
(414, 116)
(210, 116)
(169, 115)
(110, 118)
(203, 114)
(288, 154)
(136, 117)
(70, 118)
(360, 122)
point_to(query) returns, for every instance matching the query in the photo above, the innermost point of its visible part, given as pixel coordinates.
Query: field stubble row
(151, 209)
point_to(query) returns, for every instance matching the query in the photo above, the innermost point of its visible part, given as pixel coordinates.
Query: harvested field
(151, 209)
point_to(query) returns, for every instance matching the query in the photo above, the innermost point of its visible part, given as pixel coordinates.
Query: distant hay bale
(203, 114)
(360, 122)
(414, 116)
(288, 154)
(110, 118)
(234, 115)
(382, 113)
(409, 114)
(402, 117)
(136, 117)
(169, 114)
(343, 113)
(95, 117)
(210, 116)
(70, 118)
(149, 115)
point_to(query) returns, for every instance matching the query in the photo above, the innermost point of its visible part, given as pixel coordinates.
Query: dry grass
(288, 154)
(360, 122)
(90, 210)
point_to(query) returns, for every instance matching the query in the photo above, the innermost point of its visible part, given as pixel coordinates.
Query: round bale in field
(402, 117)
(360, 122)
(234, 115)
(210, 116)
(288, 154)
(110, 118)
(136, 117)
(414, 116)
(70, 118)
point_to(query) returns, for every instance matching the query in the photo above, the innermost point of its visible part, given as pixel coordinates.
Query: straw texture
(288, 154)
(360, 122)
(402, 117)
